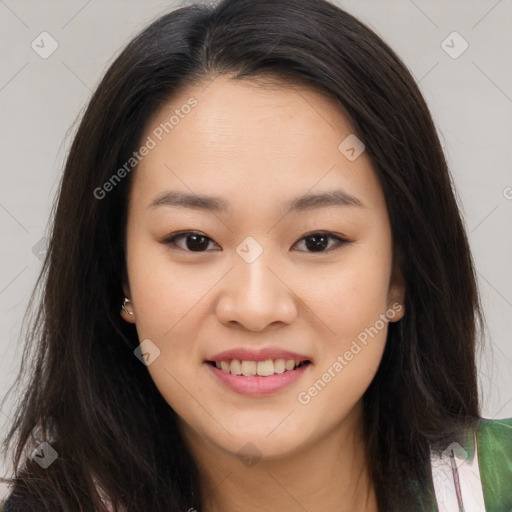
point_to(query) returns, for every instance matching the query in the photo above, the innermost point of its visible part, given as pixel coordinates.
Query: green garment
(494, 439)
(495, 461)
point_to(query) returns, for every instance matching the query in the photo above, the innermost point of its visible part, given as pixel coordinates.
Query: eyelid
(169, 240)
(340, 239)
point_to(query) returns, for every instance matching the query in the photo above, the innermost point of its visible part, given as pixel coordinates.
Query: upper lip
(246, 354)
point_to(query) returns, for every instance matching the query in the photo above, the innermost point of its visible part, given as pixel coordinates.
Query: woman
(258, 290)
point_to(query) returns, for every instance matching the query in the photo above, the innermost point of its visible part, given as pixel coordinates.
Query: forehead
(247, 138)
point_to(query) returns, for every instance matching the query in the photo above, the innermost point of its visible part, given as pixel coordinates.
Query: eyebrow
(303, 203)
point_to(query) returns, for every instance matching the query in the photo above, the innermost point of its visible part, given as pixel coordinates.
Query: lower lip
(256, 385)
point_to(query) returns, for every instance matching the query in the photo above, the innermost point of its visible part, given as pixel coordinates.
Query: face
(265, 278)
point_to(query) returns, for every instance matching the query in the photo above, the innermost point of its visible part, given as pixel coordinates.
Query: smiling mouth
(264, 368)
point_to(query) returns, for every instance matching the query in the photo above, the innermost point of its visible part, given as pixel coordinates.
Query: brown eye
(318, 242)
(194, 242)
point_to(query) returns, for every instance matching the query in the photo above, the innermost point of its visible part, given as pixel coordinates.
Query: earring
(126, 301)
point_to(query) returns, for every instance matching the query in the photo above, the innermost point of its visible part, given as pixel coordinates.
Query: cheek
(164, 294)
(352, 298)
(171, 305)
(352, 306)
(167, 307)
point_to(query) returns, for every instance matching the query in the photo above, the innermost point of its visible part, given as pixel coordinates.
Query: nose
(255, 295)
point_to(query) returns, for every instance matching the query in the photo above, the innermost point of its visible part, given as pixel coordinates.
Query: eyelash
(171, 240)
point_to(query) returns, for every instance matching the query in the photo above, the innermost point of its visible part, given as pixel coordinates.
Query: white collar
(456, 479)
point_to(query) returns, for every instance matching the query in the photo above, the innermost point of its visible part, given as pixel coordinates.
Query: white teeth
(248, 368)
(235, 367)
(279, 366)
(265, 368)
(260, 368)
(290, 364)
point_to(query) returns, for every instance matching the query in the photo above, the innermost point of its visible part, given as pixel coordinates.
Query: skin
(259, 147)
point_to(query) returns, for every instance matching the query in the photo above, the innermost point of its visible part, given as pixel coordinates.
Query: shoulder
(494, 438)
(498, 427)
(19, 501)
(13, 503)
(31, 490)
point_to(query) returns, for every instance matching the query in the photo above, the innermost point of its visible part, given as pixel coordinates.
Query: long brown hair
(93, 401)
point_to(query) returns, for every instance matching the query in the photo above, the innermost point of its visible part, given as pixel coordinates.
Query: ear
(396, 294)
(127, 313)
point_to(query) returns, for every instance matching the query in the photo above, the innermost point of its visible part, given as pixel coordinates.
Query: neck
(329, 474)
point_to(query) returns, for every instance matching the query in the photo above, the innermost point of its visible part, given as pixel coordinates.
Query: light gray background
(470, 97)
